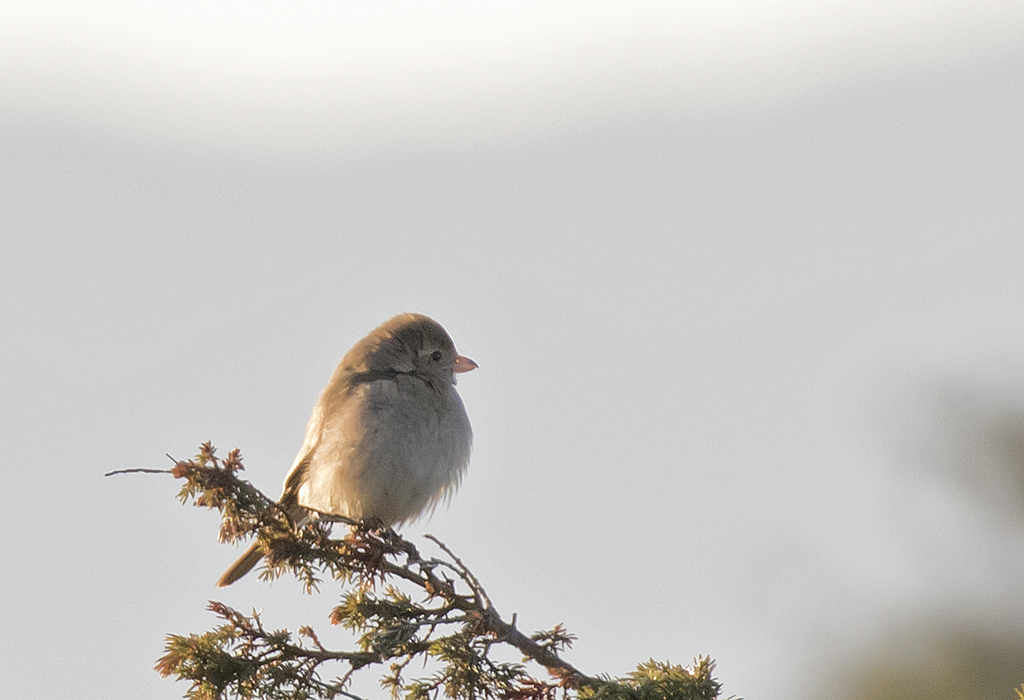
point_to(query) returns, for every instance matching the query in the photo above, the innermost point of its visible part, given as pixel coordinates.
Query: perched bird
(389, 437)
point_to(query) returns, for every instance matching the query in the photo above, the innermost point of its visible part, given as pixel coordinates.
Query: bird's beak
(464, 364)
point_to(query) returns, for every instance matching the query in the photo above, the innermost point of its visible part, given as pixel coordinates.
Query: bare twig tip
(138, 471)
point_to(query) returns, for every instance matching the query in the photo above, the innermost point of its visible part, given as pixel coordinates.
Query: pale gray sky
(744, 284)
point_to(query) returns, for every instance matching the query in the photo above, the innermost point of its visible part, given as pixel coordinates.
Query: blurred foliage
(935, 659)
(447, 622)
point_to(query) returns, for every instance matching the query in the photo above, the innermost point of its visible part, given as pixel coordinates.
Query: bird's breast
(393, 450)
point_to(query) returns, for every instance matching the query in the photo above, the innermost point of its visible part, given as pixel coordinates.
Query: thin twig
(139, 471)
(347, 694)
(466, 574)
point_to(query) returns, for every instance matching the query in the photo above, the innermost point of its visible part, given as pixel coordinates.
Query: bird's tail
(241, 567)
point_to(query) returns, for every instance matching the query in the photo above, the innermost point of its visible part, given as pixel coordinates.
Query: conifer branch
(452, 626)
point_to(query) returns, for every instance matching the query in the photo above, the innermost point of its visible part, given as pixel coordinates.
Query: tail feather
(243, 566)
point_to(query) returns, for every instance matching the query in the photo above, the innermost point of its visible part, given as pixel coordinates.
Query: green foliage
(447, 623)
(654, 680)
(241, 659)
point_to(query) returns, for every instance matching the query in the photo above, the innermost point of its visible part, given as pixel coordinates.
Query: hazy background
(745, 283)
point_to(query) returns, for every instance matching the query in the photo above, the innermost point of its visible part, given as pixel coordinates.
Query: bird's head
(413, 344)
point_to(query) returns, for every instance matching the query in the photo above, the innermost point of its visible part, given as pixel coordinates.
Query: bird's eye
(436, 356)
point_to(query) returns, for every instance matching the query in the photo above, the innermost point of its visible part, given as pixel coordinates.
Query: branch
(242, 659)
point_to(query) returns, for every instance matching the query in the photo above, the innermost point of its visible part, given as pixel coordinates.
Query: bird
(389, 437)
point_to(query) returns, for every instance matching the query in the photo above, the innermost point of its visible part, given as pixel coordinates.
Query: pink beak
(464, 364)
